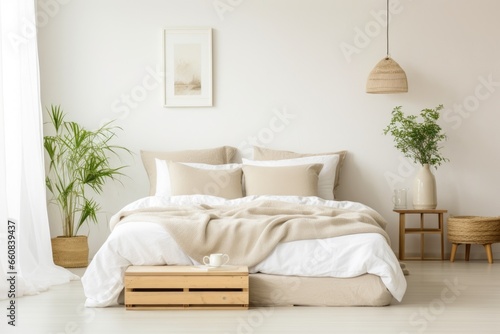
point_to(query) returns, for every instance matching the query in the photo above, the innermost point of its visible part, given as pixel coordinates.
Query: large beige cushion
(300, 180)
(163, 187)
(261, 153)
(326, 177)
(214, 156)
(187, 180)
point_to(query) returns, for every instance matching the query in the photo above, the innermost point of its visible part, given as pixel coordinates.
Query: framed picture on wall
(188, 67)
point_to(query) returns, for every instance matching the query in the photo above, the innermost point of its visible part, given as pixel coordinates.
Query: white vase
(424, 189)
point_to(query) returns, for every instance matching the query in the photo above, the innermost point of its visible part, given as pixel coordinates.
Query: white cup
(216, 260)
(399, 199)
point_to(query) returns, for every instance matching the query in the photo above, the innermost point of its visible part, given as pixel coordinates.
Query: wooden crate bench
(186, 287)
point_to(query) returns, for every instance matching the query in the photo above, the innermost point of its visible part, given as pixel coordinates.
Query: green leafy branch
(419, 141)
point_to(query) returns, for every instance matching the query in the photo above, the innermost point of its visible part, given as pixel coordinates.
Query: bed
(281, 219)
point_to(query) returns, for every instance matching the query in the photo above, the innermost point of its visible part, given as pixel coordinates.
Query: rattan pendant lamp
(387, 76)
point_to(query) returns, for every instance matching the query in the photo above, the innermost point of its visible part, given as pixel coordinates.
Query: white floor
(442, 297)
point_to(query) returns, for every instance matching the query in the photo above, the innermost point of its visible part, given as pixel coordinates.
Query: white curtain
(22, 177)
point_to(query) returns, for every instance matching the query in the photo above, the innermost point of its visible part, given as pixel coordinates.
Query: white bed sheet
(142, 243)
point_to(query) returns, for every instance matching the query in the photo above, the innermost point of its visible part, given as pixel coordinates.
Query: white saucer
(223, 267)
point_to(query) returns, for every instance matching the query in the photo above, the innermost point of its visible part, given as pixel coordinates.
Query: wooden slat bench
(186, 287)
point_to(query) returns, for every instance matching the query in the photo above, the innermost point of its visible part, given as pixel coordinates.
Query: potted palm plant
(420, 141)
(79, 166)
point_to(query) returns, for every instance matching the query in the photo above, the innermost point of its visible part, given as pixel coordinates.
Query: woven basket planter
(473, 230)
(70, 252)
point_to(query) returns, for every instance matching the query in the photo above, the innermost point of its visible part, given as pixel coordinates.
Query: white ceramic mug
(216, 260)
(399, 199)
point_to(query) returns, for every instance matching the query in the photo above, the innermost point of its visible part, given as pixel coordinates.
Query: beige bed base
(274, 290)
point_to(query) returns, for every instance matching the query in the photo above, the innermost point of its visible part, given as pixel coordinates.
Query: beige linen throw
(249, 232)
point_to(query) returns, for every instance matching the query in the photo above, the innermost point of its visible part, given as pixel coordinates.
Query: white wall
(287, 55)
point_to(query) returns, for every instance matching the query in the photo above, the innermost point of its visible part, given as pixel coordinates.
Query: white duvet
(142, 243)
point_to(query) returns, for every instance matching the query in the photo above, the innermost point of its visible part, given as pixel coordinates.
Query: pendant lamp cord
(387, 36)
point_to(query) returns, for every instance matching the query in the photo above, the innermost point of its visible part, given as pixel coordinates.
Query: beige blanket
(249, 232)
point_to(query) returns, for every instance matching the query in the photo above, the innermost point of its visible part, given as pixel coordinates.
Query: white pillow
(326, 177)
(163, 187)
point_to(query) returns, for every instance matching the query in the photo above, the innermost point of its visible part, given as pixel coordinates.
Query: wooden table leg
(422, 240)
(467, 252)
(402, 236)
(453, 252)
(487, 247)
(441, 228)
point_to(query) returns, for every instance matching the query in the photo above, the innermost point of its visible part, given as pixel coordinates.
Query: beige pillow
(326, 177)
(261, 153)
(163, 176)
(187, 180)
(213, 156)
(299, 180)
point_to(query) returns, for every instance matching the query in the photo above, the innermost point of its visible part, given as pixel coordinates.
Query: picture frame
(188, 67)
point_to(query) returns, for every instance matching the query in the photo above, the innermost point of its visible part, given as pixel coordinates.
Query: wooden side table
(422, 230)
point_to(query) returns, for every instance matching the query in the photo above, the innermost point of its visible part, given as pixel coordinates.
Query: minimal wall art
(188, 67)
